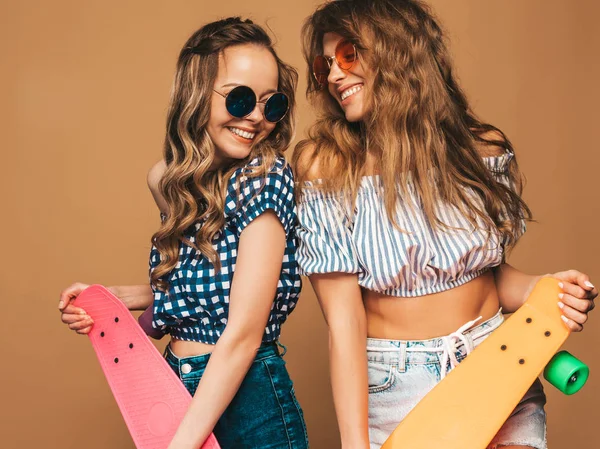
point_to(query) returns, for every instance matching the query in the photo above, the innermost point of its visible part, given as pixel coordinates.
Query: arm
(576, 299)
(513, 286)
(154, 176)
(135, 297)
(260, 254)
(578, 293)
(341, 301)
(340, 298)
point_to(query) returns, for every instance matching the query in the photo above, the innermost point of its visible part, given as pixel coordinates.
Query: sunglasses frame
(331, 59)
(264, 102)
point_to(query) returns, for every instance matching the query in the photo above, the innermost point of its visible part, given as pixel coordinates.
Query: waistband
(198, 362)
(445, 350)
(211, 335)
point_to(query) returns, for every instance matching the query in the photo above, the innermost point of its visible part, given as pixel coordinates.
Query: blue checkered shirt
(196, 304)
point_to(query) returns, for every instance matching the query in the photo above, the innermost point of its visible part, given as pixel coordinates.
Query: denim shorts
(402, 372)
(264, 413)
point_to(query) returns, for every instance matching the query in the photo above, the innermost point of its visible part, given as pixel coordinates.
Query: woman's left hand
(577, 298)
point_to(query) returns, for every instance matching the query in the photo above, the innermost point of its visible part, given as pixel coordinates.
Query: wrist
(358, 440)
(532, 282)
(115, 290)
(134, 297)
(356, 445)
(536, 279)
(120, 292)
(186, 436)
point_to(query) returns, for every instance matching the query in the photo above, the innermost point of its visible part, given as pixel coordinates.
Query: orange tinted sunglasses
(345, 57)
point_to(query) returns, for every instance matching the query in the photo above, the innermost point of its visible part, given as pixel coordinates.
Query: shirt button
(186, 368)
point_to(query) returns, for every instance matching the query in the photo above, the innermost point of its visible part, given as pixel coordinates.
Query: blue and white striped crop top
(419, 261)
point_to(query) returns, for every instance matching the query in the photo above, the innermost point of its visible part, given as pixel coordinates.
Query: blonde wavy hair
(418, 120)
(191, 189)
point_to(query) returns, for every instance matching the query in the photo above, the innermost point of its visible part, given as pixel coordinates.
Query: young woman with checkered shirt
(226, 196)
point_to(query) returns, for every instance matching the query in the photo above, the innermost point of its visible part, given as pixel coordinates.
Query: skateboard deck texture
(468, 407)
(150, 396)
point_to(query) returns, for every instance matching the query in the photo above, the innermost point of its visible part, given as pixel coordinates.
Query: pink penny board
(150, 396)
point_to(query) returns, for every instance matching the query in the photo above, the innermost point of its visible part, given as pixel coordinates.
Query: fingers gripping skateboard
(150, 396)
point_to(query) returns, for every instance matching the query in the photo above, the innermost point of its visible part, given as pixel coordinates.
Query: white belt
(449, 347)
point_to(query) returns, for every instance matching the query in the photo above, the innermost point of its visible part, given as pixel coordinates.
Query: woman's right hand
(75, 317)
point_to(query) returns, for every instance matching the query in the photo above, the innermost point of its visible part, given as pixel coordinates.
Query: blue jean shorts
(264, 413)
(402, 372)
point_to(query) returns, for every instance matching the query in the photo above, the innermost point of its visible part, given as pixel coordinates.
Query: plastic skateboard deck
(150, 396)
(470, 405)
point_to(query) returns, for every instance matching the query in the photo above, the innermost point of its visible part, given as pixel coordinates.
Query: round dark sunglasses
(241, 101)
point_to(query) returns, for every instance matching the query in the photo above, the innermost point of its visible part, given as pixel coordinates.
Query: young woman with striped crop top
(408, 204)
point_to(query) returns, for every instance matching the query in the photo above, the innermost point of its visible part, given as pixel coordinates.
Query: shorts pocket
(303, 444)
(381, 377)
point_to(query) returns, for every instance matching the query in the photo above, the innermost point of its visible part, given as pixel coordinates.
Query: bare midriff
(430, 316)
(182, 348)
(398, 318)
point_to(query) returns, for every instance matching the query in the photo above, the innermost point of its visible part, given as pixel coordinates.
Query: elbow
(240, 341)
(348, 327)
(154, 177)
(353, 317)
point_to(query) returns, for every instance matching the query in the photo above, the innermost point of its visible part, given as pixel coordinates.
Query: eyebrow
(270, 91)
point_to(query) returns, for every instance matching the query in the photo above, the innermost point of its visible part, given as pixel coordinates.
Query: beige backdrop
(87, 85)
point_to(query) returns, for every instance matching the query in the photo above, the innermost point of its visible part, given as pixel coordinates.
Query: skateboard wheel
(566, 372)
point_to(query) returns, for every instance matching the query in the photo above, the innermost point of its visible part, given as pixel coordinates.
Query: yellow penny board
(468, 407)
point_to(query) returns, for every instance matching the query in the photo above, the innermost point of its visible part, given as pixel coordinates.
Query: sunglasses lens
(345, 55)
(240, 102)
(321, 70)
(276, 107)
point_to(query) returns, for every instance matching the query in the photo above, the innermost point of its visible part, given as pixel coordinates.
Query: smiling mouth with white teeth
(351, 91)
(241, 133)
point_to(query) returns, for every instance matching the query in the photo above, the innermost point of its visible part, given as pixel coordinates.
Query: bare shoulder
(154, 176)
(492, 146)
(305, 162)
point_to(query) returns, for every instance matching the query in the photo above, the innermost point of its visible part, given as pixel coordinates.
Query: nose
(335, 73)
(256, 115)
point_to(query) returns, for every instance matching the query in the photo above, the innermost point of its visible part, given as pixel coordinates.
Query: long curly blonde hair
(418, 121)
(192, 190)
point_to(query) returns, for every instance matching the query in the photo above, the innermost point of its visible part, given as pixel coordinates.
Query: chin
(354, 113)
(354, 117)
(237, 153)
(229, 148)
